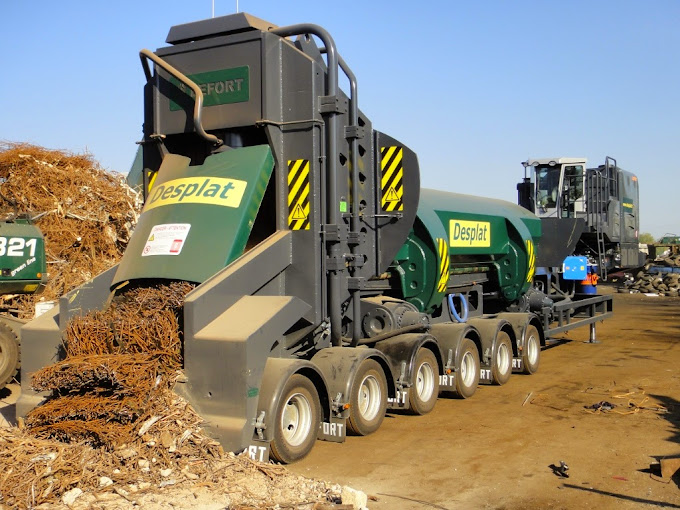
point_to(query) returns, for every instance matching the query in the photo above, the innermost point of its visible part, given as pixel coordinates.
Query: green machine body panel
(463, 234)
(197, 219)
(22, 258)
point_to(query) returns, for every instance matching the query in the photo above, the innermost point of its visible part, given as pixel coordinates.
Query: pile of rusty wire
(86, 214)
(111, 393)
(117, 363)
(113, 424)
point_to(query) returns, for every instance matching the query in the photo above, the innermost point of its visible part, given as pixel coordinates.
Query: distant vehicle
(22, 271)
(603, 202)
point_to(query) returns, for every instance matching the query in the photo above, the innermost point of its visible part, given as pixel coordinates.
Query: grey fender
(403, 348)
(277, 371)
(449, 337)
(338, 366)
(519, 322)
(488, 328)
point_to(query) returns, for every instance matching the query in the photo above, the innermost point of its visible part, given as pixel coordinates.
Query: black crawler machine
(331, 287)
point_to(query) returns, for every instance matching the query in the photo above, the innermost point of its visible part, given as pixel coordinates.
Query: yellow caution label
(391, 178)
(197, 190)
(298, 194)
(444, 262)
(465, 234)
(531, 256)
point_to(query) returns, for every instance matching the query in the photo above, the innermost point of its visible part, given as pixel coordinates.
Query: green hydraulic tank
(463, 236)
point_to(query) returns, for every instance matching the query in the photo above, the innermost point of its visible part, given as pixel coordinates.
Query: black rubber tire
(467, 370)
(424, 382)
(297, 420)
(10, 360)
(531, 353)
(368, 399)
(501, 361)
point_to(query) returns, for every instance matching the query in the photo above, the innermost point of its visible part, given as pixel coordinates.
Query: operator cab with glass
(556, 187)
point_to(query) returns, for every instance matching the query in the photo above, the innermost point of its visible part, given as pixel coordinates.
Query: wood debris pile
(46, 474)
(114, 424)
(661, 277)
(86, 214)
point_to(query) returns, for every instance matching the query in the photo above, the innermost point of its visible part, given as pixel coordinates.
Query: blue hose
(464, 305)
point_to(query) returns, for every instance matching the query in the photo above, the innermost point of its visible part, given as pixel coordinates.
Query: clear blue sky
(474, 87)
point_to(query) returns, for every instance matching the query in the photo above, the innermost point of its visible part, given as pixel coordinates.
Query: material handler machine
(331, 287)
(599, 207)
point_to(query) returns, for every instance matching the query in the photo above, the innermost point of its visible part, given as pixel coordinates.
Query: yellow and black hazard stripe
(298, 194)
(443, 252)
(151, 178)
(391, 179)
(531, 259)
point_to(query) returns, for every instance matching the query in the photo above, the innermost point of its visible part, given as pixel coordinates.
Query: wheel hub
(296, 419)
(369, 398)
(425, 381)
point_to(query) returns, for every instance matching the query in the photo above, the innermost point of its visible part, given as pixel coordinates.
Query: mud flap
(258, 450)
(334, 430)
(447, 382)
(485, 374)
(400, 400)
(517, 365)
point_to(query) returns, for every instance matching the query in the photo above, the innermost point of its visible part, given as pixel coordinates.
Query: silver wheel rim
(369, 397)
(503, 359)
(296, 419)
(467, 369)
(425, 382)
(532, 350)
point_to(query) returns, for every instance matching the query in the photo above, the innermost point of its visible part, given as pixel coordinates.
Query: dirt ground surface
(495, 450)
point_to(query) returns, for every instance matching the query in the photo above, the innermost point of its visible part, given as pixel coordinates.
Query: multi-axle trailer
(331, 287)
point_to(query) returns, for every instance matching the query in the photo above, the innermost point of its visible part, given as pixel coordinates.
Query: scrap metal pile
(119, 366)
(661, 277)
(85, 213)
(113, 427)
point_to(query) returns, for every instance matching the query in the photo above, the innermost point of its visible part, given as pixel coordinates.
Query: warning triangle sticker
(391, 195)
(299, 213)
(151, 237)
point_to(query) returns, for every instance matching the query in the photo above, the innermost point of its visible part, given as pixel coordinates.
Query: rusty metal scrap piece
(86, 407)
(121, 374)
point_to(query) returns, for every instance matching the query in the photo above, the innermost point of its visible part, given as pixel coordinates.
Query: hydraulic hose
(463, 317)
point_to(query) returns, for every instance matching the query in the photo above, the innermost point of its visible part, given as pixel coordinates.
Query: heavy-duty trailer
(331, 287)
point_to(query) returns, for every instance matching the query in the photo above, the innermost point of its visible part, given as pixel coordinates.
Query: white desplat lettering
(517, 363)
(485, 374)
